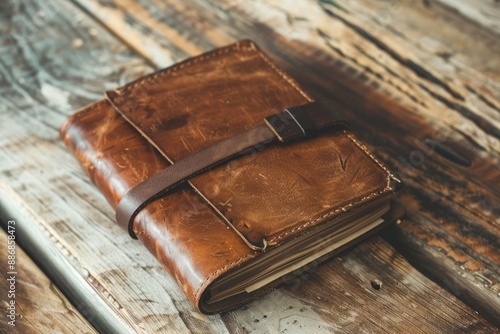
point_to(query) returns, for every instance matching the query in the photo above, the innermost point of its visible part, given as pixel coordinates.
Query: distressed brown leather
(212, 224)
(296, 122)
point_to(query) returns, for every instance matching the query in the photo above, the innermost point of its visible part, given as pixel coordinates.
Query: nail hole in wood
(376, 284)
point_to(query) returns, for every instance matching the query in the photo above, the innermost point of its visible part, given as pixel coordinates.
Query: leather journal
(230, 173)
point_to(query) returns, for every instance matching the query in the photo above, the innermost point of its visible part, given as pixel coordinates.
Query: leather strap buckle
(302, 121)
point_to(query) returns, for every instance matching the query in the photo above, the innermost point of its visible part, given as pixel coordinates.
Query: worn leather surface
(296, 122)
(206, 227)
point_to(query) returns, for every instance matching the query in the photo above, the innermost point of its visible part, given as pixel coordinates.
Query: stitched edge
(284, 76)
(381, 165)
(328, 214)
(351, 204)
(186, 63)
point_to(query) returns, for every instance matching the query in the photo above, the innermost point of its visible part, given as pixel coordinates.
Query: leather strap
(292, 123)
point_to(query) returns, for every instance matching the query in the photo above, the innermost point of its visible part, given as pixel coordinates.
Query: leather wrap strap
(292, 123)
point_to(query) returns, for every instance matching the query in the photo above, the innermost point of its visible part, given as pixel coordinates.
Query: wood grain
(420, 84)
(485, 13)
(341, 293)
(39, 305)
(70, 226)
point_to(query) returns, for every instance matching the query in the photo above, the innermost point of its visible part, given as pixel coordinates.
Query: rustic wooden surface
(410, 72)
(406, 72)
(39, 305)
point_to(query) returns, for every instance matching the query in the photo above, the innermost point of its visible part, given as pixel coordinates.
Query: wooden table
(420, 82)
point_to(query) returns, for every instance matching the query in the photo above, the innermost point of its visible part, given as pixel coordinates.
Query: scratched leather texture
(273, 194)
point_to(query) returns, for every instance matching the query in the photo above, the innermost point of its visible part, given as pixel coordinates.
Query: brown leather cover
(220, 219)
(297, 122)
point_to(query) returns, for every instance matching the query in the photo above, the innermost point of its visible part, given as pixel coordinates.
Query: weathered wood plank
(164, 44)
(484, 12)
(421, 85)
(38, 306)
(406, 300)
(65, 218)
(43, 79)
(344, 294)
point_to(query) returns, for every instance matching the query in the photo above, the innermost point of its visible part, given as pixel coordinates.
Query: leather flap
(271, 194)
